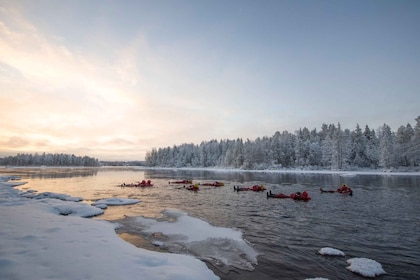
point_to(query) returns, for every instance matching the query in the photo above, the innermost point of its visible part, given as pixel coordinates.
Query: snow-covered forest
(49, 160)
(329, 148)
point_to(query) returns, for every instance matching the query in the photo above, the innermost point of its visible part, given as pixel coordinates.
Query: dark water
(380, 221)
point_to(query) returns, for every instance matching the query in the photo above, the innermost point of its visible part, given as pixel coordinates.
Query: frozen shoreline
(40, 241)
(47, 233)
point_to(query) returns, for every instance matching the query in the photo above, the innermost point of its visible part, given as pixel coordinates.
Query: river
(380, 221)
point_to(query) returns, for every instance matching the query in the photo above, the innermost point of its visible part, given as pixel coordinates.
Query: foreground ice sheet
(178, 232)
(38, 242)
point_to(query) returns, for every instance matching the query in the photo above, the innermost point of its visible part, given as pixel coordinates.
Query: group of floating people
(302, 196)
(195, 187)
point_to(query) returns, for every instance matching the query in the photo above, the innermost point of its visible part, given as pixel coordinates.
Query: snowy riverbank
(39, 242)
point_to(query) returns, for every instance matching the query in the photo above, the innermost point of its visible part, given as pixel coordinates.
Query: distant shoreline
(215, 169)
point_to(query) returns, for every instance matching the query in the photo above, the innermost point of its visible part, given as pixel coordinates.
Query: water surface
(380, 221)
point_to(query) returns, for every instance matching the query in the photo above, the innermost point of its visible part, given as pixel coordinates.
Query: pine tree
(386, 147)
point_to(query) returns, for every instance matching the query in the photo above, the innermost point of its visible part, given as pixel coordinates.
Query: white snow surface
(185, 233)
(365, 267)
(330, 252)
(60, 196)
(38, 242)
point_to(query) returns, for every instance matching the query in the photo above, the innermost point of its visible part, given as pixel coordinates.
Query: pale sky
(114, 79)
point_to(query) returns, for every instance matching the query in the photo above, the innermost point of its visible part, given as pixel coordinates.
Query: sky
(114, 79)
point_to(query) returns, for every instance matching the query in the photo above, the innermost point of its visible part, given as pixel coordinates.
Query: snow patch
(70, 208)
(365, 267)
(59, 196)
(330, 252)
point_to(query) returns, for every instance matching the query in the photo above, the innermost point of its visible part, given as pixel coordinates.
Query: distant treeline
(329, 148)
(123, 163)
(49, 160)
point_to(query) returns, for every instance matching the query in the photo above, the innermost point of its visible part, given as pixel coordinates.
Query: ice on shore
(38, 242)
(223, 247)
(60, 196)
(115, 201)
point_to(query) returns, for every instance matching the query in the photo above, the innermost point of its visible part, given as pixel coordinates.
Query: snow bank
(224, 247)
(38, 242)
(66, 208)
(365, 267)
(60, 196)
(330, 252)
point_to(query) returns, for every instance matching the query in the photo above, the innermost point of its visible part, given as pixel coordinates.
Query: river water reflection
(380, 221)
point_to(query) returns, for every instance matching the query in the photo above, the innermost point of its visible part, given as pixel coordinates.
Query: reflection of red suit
(182, 182)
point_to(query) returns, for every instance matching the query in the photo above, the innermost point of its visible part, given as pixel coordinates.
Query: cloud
(66, 98)
(46, 89)
(133, 84)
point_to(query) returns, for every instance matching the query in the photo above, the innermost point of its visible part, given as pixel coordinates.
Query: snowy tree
(331, 147)
(248, 152)
(403, 139)
(386, 147)
(315, 151)
(337, 149)
(357, 155)
(302, 147)
(372, 147)
(276, 150)
(238, 153)
(327, 136)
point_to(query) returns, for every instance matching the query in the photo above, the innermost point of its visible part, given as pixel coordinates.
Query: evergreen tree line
(329, 148)
(49, 160)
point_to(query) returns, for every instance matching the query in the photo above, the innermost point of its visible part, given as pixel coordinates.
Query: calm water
(380, 221)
